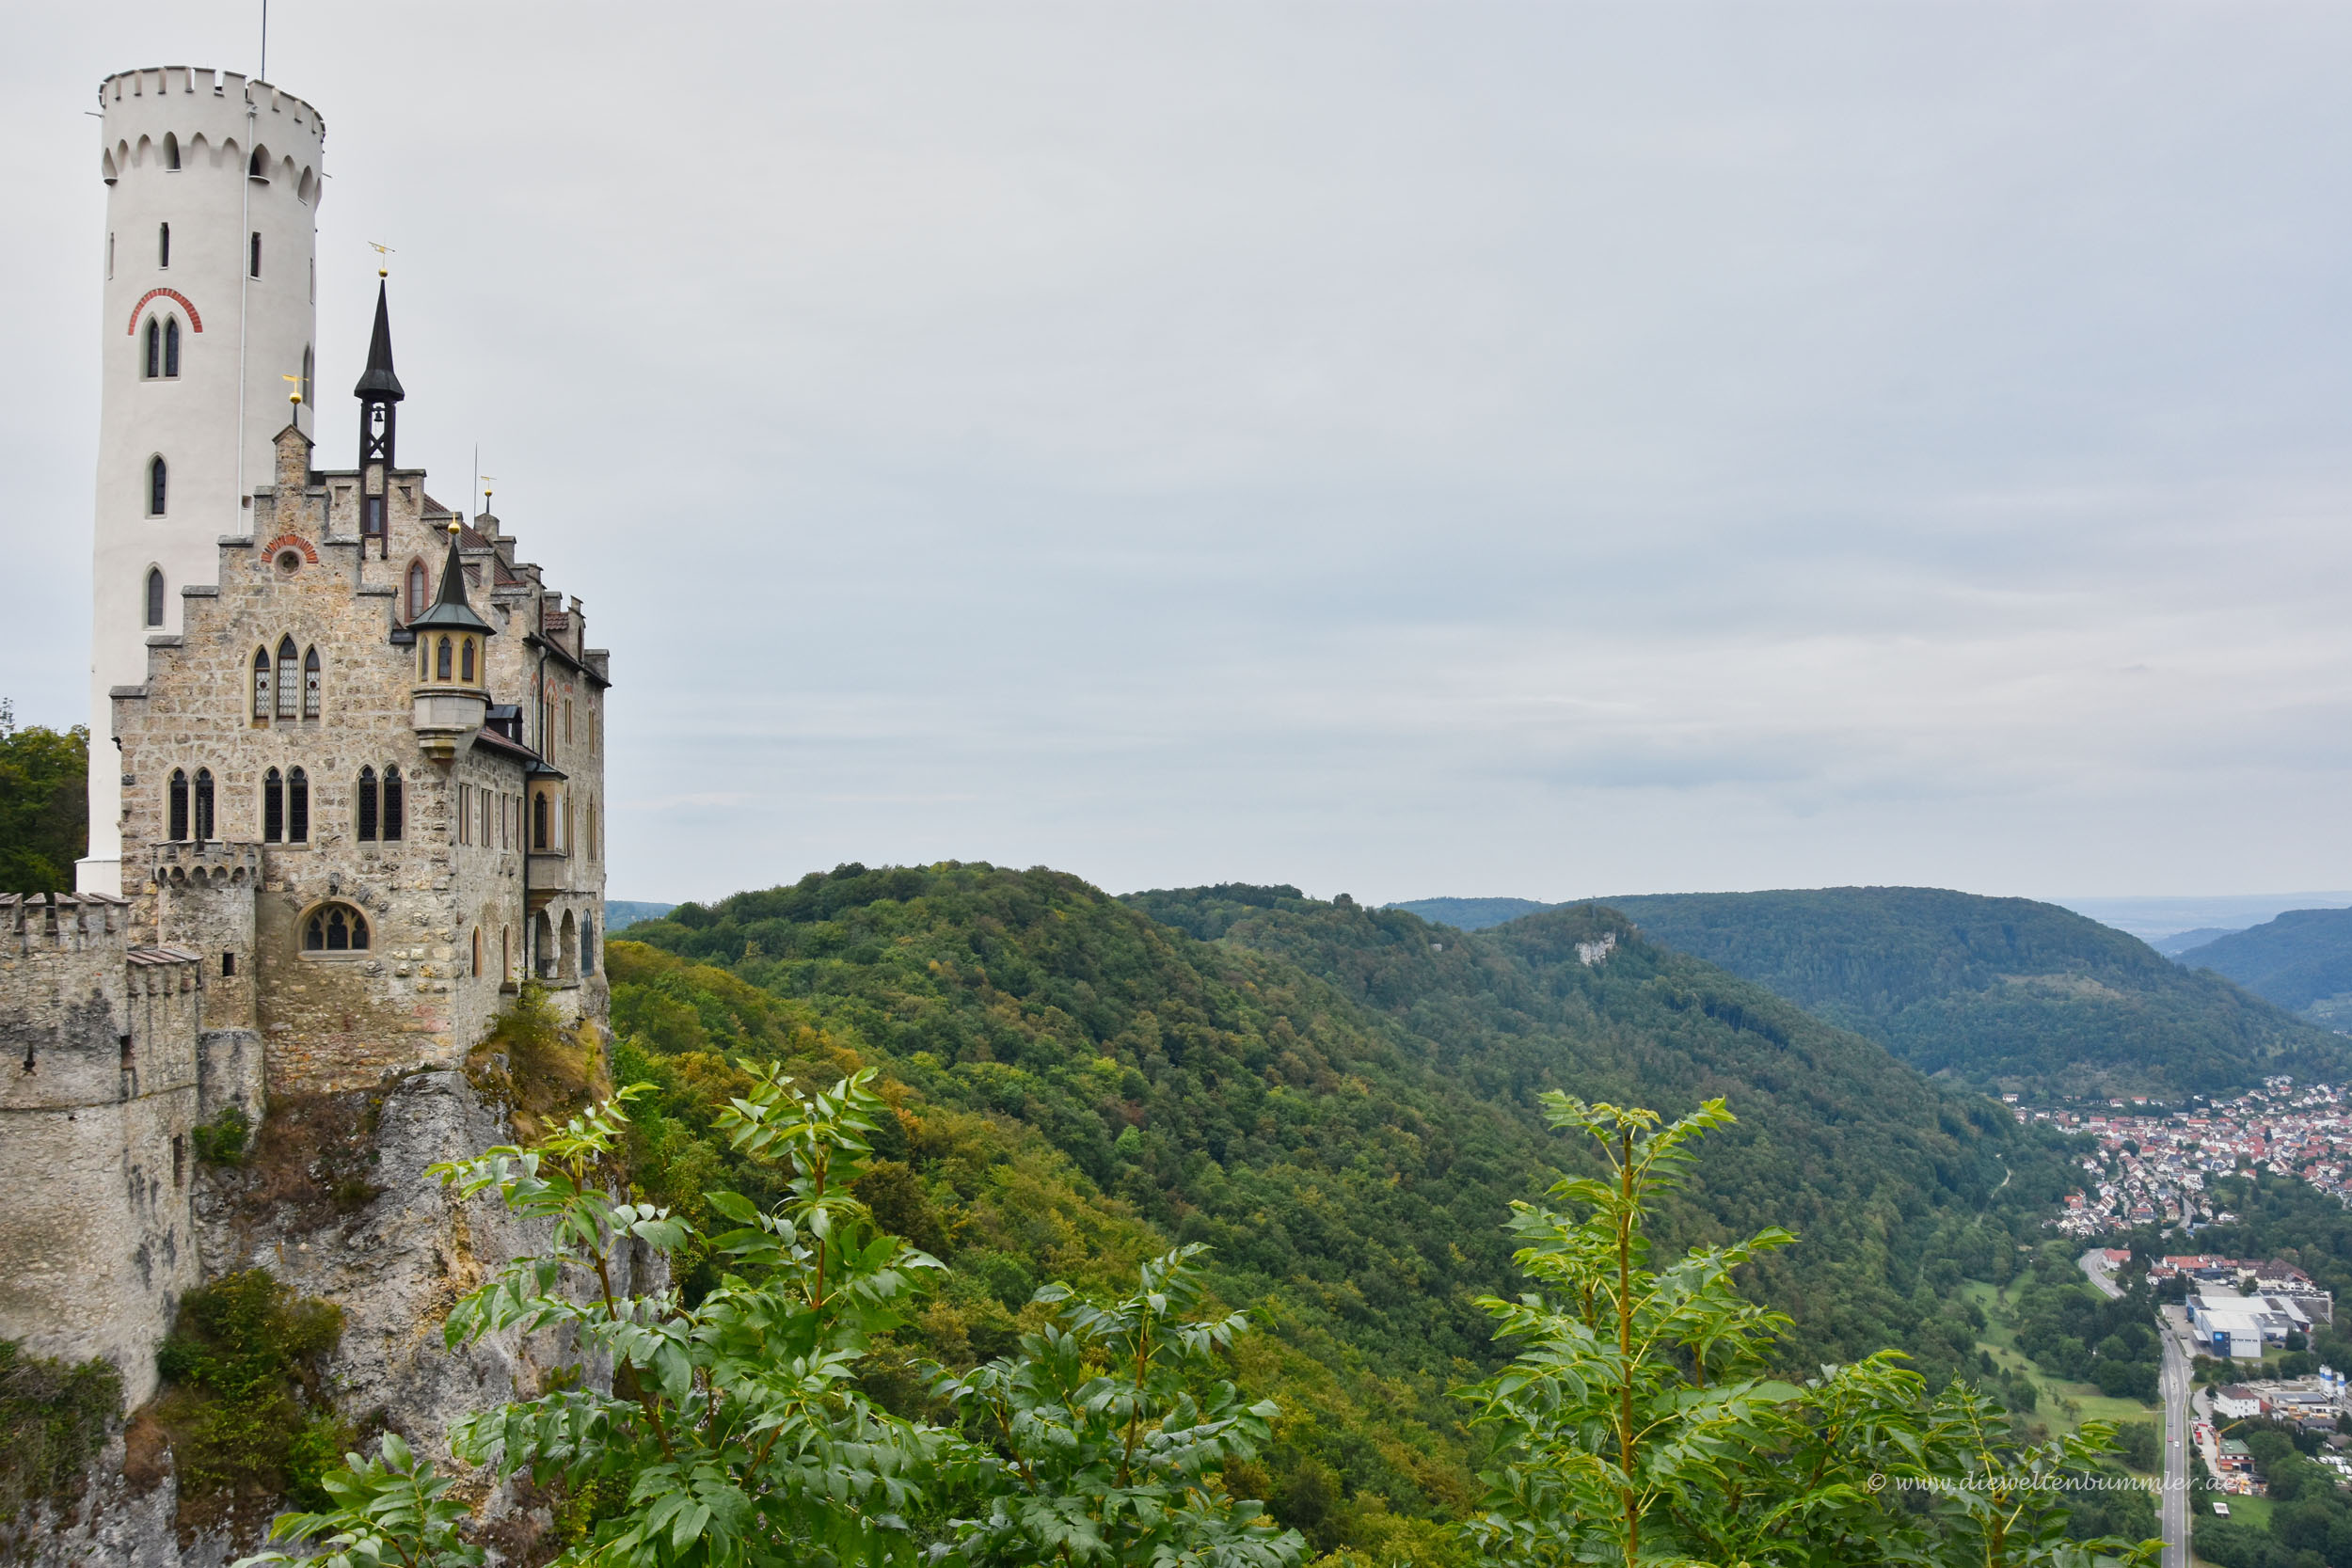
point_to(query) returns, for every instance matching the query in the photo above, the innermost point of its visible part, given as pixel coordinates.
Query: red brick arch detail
(150, 297)
(290, 541)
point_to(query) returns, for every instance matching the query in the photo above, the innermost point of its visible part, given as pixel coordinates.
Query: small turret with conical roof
(452, 695)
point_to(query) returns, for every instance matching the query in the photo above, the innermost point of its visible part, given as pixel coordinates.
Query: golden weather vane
(381, 251)
(295, 396)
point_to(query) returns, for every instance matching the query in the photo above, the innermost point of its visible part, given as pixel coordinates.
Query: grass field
(2061, 1406)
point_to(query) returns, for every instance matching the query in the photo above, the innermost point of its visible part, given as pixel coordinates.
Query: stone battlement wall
(98, 1070)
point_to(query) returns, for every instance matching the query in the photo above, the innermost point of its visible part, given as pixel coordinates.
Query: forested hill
(2305, 955)
(1469, 914)
(2002, 992)
(1342, 1099)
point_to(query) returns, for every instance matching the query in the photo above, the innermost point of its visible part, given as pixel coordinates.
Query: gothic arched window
(171, 346)
(440, 661)
(155, 348)
(203, 804)
(416, 589)
(587, 946)
(298, 807)
(261, 684)
(155, 596)
(465, 664)
(178, 796)
(171, 150)
(158, 484)
(289, 678)
(395, 806)
(335, 928)
(364, 827)
(310, 684)
(273, 807)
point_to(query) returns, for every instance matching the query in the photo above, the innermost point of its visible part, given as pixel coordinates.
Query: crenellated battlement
(62, 921)
(173, 118)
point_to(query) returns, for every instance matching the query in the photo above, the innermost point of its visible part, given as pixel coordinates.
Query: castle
(346, 780)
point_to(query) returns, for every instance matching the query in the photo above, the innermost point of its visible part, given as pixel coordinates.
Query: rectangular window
(464, 820)
(253, 265)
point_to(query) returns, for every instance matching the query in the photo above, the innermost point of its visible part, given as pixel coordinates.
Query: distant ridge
(1469, 914)
(2181, 942)
(2003, 992)
(2303, 956)
(621, 913)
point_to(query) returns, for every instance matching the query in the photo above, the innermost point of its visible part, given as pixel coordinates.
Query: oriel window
(440, 661)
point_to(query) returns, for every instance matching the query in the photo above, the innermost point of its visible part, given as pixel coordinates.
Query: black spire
(377, 391)
(450, 609)
(378, 380)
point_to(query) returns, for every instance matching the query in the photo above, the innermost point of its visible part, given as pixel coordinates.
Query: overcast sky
(1400, 450)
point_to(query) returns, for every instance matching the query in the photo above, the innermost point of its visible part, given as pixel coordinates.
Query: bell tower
(213, 186)
(379, 394)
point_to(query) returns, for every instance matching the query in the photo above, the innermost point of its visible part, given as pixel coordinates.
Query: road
(2173, 1384)
(2172, 1507)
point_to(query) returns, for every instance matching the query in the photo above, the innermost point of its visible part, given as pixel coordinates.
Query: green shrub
(222, 1141)
(245, 1402)
(54, 1416)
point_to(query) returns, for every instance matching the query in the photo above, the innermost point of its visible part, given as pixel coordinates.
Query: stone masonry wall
(98, 1096)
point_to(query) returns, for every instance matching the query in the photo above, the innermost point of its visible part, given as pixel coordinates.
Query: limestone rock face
(388, 1245)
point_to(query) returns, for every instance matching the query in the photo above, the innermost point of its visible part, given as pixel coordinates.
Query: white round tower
(211, 298)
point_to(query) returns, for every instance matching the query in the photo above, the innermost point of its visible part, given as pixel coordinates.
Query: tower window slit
(253, 263)
(155, 596)
(158, 482)
(162, 244)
